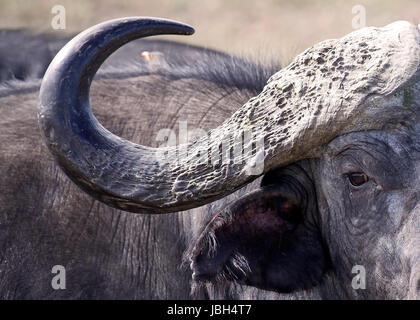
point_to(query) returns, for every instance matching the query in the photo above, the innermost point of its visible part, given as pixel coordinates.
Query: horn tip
(176, 26)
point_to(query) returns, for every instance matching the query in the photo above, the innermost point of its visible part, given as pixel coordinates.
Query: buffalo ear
(261, 240)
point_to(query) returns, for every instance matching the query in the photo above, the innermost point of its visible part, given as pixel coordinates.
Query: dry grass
(272, 27)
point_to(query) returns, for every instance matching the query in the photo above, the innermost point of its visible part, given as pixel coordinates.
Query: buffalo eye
(357, 178)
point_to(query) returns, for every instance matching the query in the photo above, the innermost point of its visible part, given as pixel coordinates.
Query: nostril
(202, 276)
(202, 272)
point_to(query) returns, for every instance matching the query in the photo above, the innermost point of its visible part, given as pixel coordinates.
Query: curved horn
(359, 82)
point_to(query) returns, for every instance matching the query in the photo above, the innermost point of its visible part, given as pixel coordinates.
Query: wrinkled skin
(375, 225)
(46, 220)
(324, 225)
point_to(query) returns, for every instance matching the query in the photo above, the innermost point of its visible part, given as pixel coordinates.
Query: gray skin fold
(358, 82)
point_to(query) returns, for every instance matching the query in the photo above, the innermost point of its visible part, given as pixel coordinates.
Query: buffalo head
(340, 132)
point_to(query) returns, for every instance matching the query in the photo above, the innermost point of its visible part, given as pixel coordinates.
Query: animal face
(339, 132)
(373, 222)
(355, 205)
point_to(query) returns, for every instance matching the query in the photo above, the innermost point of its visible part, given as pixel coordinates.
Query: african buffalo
(336, 132)
(45, 220)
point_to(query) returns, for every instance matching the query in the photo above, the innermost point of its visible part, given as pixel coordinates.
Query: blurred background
(271, 28)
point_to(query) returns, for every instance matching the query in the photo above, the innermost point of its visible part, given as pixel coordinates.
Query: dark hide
(45, 220)
(266, 239)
